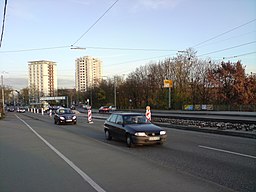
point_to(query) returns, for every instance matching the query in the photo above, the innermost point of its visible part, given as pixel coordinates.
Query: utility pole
(2, 80)
(115, 91)
(18, 100)
(170, 98)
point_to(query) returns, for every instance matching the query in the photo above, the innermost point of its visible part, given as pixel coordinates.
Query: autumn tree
(250, 89)
(195, 81)
(232, 84)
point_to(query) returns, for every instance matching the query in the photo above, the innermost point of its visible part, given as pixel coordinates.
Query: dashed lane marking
(226, 151)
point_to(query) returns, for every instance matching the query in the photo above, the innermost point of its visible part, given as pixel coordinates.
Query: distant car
(64, 115)
(11, 109)
(21, 110)
(134, 128)
(104, 109)
(112, 108)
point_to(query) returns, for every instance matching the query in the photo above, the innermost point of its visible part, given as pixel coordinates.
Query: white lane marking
(225, 151)
(70, 163)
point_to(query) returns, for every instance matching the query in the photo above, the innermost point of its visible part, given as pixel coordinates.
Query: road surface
(36, 155)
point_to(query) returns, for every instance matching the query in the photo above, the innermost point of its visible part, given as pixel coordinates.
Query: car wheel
(55, 122)
(128, 140)
(58, 122)
(107, 135)
(74, 123)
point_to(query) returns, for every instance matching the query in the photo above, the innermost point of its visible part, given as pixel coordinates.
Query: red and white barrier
(90, 115)
(148, 113)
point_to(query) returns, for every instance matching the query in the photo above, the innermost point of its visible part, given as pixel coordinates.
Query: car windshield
(135, 119)
(65, 111)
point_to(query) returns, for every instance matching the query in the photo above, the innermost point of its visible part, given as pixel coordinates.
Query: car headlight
(140, 134)
(62, 118)
(162, 132)
(74, 117)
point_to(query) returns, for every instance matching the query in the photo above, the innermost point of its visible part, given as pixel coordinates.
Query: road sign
(167, 83)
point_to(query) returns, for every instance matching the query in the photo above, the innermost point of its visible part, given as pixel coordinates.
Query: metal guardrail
(221, 116)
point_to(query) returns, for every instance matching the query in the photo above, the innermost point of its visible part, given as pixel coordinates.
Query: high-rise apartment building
(42, 79)
(88, 72)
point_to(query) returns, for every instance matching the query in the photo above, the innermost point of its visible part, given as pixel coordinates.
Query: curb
(209, 130)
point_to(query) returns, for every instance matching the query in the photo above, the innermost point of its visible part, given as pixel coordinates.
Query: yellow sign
(167, 83)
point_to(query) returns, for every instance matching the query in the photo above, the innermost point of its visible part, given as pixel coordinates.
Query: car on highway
(104, 109)
(112, 108)
(64, 115)
(134, 129)
(11, 109)
(21, 110)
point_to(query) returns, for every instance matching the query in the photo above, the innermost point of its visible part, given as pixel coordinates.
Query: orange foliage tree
(231, 85)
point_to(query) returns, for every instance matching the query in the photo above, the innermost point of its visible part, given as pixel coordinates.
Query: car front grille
(152, 134)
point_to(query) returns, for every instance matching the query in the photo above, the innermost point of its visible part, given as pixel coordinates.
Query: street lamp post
(115, 86)
(170, 98)
(2, 80)
(18, 100)
(169, 95)
(115, 91)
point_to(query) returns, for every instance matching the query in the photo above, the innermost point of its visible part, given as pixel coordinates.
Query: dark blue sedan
(134, 128)
(64, 115)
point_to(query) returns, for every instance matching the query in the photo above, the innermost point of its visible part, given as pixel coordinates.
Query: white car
(21, 110)
(112, 108)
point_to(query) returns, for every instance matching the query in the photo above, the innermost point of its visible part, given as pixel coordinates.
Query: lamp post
(169, 88)
(115, 86)
(18, 100)
(115, 91)
(2, 80)
(91, 95)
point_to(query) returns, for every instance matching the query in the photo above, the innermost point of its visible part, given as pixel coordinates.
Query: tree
(24, 94)
(195, 81)
(183, 74)
(233, 85)
(250, 89)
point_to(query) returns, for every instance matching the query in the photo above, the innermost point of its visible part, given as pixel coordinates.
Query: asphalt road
(37, 155)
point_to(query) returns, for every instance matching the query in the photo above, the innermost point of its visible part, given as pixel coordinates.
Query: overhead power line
(227, 39)
(130, 49)
(145, 59)
(224, 33)
(34, 49)
(227, 48)
(235, 56)
(2, 33)
(84, 48)
(95, 23)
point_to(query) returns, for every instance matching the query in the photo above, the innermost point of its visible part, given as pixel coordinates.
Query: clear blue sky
(167, 25)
